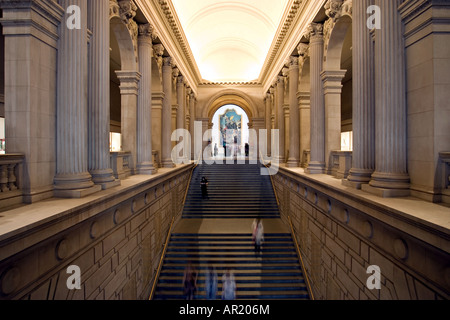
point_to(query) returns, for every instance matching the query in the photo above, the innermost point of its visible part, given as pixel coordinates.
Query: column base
(168, 164)
(315, 167)
(104, 178)
(386, 193)
(292, 163)
(77, 193)
(109, 185)
(146, 169)
(357, 177)
(353, 184)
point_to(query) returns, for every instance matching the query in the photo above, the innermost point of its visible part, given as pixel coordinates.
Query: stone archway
(230, 97)
(124, 74)
(336, 35)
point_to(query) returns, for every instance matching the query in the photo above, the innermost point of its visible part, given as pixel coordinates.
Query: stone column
(391, 177)
(181, 116)
(363, 157)
(166, 157)
(317, 163)
(332, 85)
(268, 127)
(192, 123)
(129, 86)
(72, 179)
(280, 118)
(144, 109)
(99, 99)
(294, 130)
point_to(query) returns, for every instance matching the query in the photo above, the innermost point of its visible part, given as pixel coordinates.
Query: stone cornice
(295, 26)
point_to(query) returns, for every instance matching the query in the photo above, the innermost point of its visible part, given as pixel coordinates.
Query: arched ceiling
(230, 39)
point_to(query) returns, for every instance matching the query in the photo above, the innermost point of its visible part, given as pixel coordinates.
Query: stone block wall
(116, 241)
(340, 235)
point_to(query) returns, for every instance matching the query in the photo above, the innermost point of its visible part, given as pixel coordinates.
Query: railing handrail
(293, 236)
(301, 259)
(161, 260)
(163, 254)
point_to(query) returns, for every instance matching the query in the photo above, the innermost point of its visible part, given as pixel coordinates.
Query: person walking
(204, 187)
(257, 234)
(190, 282)
(228, 286)
(211, 283)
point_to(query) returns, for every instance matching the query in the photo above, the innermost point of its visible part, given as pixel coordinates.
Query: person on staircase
(211, 283)
(228, 285)
(204, 187)
(258, 234)
(190, 282)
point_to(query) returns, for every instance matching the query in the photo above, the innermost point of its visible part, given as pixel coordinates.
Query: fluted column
(268, 102)
(363, 157)
(99, 98)
(144, 108)
(317, 162)
(294, 130)
(166, 156)
(391, 176)
(192, 123)
(181, 115)
(280, 119)
(72, 176)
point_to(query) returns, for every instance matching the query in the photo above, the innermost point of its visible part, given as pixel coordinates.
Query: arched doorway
(230, 131)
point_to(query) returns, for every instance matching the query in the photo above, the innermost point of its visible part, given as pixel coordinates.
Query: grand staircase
(238, 194)
(235, 191)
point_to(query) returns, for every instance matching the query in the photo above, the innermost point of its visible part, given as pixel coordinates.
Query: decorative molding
(280, 38)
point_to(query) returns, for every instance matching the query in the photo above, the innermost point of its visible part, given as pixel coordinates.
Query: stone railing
(11, 178)
(120, 164)
(341, 164)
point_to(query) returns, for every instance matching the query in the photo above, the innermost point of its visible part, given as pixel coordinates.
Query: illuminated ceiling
(230, 40)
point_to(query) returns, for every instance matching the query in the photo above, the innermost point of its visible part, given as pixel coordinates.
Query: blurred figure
(190, 282)
(211, 283)
(204, 187)
(229, 286)
(257, 234)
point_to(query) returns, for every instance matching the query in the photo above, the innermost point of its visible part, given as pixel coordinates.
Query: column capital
(158, 50)
(303, 49)
(129, 81)
(315, 30)
(293, 62)
(145, 32)
(167, 62)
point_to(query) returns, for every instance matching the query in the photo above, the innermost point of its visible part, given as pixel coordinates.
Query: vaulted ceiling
(230, 39)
